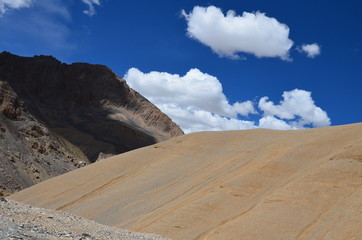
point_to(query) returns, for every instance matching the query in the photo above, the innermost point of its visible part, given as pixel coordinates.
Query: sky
(209, 65)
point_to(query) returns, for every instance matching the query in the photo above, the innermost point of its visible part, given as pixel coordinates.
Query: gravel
(21, 221)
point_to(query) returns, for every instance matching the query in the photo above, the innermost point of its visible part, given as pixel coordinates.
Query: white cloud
(196, 89)
(91, 10)
(230, 34)
(274, 123)
(196, 102)
(312, 50)
(14, 4)
(192, 119)
(298, 108)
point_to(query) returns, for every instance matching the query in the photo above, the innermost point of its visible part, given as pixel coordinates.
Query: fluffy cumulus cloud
(13, 4)
(90, 3)
(297, 107)
(272, 122)
(196, 102)
(312, 50)
(231, 34)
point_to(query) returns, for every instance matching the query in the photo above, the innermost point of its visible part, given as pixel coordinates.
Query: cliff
(84, 107)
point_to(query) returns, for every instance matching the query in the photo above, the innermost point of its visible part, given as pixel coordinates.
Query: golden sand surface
(249, 184)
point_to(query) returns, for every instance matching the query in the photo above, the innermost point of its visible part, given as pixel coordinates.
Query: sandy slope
(253, 184)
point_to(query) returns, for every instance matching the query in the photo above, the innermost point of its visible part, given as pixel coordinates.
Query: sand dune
(253, 184)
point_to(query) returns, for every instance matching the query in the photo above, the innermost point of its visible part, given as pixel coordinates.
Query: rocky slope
(55, 117)
(21, 221)
(252, 184)
(29, 151)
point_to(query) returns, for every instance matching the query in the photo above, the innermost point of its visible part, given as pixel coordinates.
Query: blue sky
(207, 68)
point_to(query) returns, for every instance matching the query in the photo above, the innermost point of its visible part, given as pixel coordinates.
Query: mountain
(251, 184)
(29, 151)
(55, 117)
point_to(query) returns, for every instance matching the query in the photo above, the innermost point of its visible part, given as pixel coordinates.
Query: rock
(21, 221)
(10, 105)
(102, 156)
(81, 164)
(61, 117)
(88, 105)
(25, 158)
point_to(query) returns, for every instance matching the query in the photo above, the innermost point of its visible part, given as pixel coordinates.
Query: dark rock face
(29, 151)
(46, 104)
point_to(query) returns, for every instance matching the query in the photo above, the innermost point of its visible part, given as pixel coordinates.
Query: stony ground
(21, 221)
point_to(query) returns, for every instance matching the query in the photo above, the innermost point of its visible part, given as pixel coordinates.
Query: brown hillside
(253, 184)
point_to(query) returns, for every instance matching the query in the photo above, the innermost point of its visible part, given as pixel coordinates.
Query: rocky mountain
(55, 117)
(29, 151)
(251, 184)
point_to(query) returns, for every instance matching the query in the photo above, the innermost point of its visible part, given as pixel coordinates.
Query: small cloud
(298, 108)
(273, 123)
(91, 10)
(196, 102)
(13, 4)
(312, 50)
(231, 34)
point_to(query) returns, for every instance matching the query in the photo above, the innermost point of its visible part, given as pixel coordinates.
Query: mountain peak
(85, 105)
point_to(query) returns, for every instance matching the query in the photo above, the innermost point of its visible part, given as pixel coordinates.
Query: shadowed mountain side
(56, 117)
(29, 151)
(95, 132)
(252, 184)
(87, 104)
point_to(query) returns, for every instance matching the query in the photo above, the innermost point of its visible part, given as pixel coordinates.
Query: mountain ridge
(86, 110)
